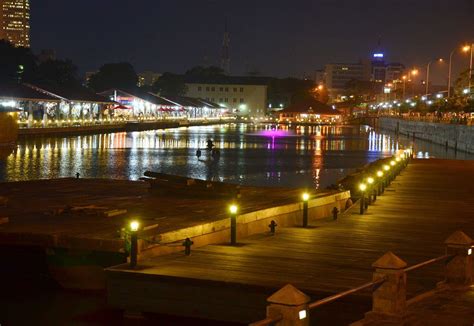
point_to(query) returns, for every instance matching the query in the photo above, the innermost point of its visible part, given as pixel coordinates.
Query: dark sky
(280, 38)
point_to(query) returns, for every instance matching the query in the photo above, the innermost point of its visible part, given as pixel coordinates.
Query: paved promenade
(425, 204)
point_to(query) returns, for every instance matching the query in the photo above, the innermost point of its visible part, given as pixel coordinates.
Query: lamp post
(362, 188)
(465, 48)
(428, 75)
(305, 197)
(134, 226)
(386, 168)
(372, 190)
(470, 67)
(380, 182)
(233, 224)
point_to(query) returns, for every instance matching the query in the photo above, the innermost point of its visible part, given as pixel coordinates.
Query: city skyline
(262, 36)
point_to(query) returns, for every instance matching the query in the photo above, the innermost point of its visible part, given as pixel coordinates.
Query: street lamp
(305, 197)
(371, 181)
(380, 182)
(362, 188)
(428, 74)
(233, 224)
(464, 49)
(134, 226)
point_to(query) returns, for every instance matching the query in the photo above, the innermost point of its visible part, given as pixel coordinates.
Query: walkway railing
(289, 306)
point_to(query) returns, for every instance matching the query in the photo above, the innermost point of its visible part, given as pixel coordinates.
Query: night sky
(279, 38)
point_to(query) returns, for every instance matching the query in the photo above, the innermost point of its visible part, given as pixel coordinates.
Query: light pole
(233, 224)
(464, 49)
(470, 68)
(134, 226)
(305, 197)
(428, 75)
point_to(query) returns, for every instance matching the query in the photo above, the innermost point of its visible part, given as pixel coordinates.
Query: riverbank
(453, 136)
(116, 127)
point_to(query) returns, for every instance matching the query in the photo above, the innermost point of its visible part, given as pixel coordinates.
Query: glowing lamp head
(362, 187)
(386, 167)
(398, 159)
(392, 163)
(302, 314)
(469, 251)
(134, 225)
(379, 174)
(233, 209)
(466, 48)
(370, 180)
(305, 196)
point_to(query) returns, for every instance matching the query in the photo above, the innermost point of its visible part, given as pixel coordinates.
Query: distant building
(148, 78)
(375, 69)
(245, 96)
(394, 72)
(319, 77)
(337, 75)
(15, 22)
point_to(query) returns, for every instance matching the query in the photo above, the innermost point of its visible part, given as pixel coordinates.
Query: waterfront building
(139, 104)
(15, 22)
(310, 110)
(244, 96)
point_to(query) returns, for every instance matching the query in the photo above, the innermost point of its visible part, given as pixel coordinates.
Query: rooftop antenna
(225, 59)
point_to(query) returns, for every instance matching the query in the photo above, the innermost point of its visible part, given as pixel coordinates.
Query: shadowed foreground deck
(430, 200)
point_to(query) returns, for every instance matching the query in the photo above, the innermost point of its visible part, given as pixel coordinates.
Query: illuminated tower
(225, 59)
(15, 22)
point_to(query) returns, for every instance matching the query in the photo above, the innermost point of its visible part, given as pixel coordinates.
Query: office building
(15, 22)
(337, 75)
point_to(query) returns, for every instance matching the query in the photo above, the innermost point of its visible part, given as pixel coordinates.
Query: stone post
(291, 304)
(459, 269)
(389, 299)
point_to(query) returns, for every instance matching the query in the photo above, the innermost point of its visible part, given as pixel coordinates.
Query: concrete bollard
(389, 299)
(459, 269)
(291, 304)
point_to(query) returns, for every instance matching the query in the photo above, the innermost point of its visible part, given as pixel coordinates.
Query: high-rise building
(15, 22)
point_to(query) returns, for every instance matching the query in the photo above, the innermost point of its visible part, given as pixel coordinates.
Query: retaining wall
(248, 224)
(458, 137)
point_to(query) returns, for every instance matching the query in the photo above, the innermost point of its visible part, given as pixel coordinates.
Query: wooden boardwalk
(425, 204)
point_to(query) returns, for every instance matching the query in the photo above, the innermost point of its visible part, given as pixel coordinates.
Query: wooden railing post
(459, 269)
(291, 304)
(389, 299)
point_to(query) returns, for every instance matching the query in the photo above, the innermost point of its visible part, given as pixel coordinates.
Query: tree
(16, 63)
(360, 91)
(170, 84)
(114, 75)
(60, 72)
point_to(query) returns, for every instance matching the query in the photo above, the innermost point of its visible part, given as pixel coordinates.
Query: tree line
(20, 65)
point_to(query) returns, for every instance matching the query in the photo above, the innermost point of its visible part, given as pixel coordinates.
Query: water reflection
(316, 157)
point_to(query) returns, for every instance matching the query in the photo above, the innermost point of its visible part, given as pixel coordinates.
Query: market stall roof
(310, 106)
(137, 93)
(76, 93)
(19, 92)
(192, 102)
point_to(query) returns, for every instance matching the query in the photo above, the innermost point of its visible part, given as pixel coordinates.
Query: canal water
(250, 154)
(296, 156)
